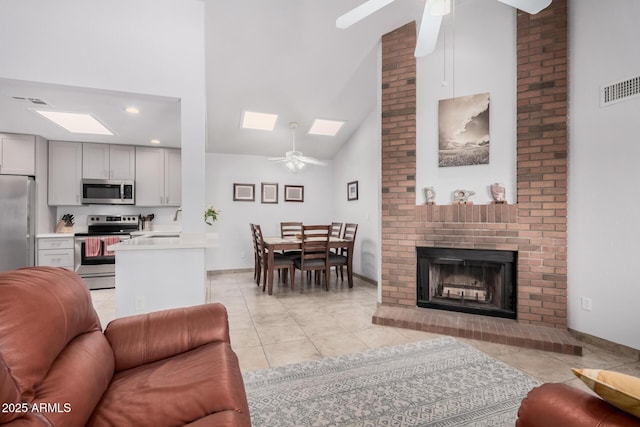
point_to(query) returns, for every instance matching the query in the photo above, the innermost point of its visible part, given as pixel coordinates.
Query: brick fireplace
(535, 227)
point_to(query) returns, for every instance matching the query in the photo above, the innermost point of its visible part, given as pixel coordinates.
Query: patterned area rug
(439, 382)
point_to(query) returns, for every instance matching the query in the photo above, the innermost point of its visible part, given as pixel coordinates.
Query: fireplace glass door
(473, 281)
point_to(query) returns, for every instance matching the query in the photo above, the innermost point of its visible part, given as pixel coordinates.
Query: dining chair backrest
(253, 236)
(290, 229)
(336, 229)
(349, 233)
(315, 242)
(260, 251)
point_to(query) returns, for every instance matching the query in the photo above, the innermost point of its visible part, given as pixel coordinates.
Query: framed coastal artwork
(463, 131)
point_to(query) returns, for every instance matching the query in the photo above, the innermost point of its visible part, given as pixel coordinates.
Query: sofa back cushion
(51, 344)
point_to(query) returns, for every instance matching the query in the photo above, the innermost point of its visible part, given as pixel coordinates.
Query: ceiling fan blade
(312, 161)
(428, 34)
(360, 12)
(530, 6)
(277, 159)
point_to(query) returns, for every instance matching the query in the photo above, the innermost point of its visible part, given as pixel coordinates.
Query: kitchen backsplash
(163, 216)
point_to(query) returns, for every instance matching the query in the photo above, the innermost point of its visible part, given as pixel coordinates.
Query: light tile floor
(290, 326)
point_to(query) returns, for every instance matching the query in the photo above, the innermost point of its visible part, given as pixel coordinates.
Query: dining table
(274, 244)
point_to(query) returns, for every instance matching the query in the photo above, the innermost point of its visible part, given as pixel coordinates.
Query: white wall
(604, 150)
(235, 248)
(480, 57)
(151, 47)
(359, 160)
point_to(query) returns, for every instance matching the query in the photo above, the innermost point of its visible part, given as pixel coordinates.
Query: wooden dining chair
(341, 259)
(314, 254)
(291, 230)
(280, 262)
(336, 231)
(257, 265)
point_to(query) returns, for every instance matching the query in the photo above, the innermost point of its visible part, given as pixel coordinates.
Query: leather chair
(57, 368)
(558, 404)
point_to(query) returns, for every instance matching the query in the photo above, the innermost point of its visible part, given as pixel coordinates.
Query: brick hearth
(535, 226)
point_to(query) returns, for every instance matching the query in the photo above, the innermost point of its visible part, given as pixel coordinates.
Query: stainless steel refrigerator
(17, 224)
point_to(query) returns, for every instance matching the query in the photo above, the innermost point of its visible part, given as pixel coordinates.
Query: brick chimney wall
(536, 225)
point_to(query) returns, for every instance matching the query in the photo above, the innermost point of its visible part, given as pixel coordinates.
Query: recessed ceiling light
(260, 121)
(155, 141)
(325, 127)
(76, 122)
(132, 110)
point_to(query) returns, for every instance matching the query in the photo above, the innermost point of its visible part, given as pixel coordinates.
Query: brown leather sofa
(562, 405)
(167, 368)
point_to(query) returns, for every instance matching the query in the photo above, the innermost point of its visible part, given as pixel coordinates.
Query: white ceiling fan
(294, 160)
(432, 15)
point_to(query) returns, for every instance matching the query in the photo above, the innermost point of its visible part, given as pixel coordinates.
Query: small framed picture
(269, 192)
(244, 192)
(352, 190)
(294, 193)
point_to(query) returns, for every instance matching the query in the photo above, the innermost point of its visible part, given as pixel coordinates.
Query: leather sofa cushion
(146, 338)
(29, 299)
(78, 377)
(559, 404)
(179, 390)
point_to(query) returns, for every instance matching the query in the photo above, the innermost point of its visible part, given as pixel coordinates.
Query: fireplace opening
(467, 280)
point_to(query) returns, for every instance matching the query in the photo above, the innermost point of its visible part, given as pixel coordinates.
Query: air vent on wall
(620, 91)
(36, 101)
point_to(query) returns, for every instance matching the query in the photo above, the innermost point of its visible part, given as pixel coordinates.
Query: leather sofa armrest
(558, 404)
(145, 338)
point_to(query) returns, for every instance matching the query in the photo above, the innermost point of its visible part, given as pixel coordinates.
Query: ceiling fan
(432, 15)
(294, 160)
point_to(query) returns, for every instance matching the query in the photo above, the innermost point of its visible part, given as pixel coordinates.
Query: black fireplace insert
(474, 281)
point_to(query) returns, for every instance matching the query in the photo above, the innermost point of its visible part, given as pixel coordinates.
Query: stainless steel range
(93, 261)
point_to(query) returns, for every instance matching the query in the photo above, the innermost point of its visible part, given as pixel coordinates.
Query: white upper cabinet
(17, 154)
(65, 173)
(122, 159)
(105, 161)
(173, 177)
(158, 177)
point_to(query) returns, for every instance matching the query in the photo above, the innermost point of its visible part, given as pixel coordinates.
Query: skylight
(325, 127)
(260, 121)
(76, 122)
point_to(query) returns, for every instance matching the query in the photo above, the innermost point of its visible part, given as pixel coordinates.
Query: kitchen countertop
(147, 241)
(49, 235)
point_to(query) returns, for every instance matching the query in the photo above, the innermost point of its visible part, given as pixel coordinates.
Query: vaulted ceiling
(282, 56)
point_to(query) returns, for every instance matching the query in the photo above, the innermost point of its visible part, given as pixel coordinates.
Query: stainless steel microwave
(108, 192)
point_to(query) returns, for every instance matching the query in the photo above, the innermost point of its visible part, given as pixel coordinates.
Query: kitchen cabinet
(55, 251)
(65, 173)
(106, 161)
(17, 154)
(158, 176)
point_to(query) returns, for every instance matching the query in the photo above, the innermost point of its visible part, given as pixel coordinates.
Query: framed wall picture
(352, 190)
(294, 193)
(269, 192)
(244, 192)
(463, 128)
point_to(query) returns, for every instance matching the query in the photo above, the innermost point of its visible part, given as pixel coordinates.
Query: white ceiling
(282, 56)
(159, 117)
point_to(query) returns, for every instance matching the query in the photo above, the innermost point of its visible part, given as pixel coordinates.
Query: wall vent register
(620, 91)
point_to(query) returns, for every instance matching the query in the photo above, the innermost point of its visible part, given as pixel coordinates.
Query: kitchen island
(161, 270)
